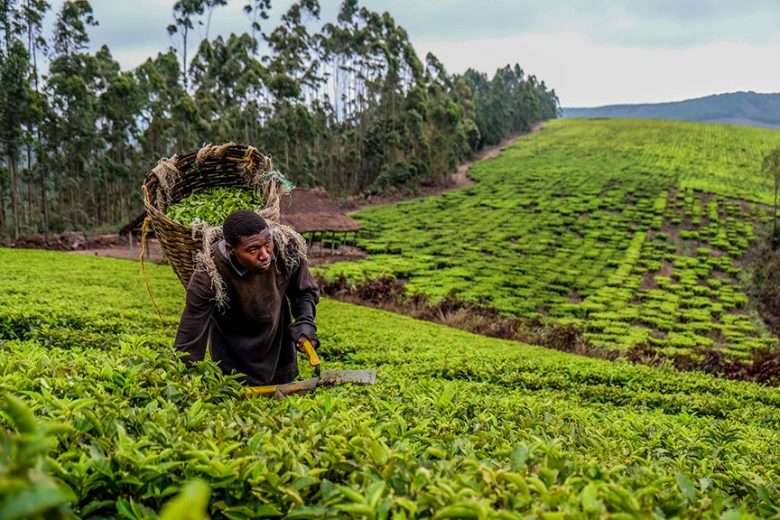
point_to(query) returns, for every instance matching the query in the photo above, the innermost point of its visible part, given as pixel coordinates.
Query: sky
(592, 52)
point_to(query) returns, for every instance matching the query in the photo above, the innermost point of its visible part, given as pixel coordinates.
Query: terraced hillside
(634, 230)
(457, 426)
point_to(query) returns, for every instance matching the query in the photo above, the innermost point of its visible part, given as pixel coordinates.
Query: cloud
(137, 29)
(588, 73)
(641, 23)
(635, 23)
(591, 51)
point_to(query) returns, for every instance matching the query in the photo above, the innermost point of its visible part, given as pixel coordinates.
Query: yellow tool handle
(282, 390)
(314, 359)
(251, 391)
(289, 388)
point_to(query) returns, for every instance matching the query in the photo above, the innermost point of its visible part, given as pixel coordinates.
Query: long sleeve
(193, 334)
(304, 295)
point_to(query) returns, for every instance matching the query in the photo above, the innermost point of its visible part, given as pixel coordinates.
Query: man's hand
(299, 344)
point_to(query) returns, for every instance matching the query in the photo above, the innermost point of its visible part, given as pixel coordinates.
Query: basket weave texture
(173, 179)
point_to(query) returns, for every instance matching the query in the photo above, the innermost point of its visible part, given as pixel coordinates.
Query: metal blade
(338, 377)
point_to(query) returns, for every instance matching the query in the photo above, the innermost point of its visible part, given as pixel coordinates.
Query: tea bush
(457, 426)
(634, 230)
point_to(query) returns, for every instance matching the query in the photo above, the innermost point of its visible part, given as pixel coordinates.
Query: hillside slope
(737, 108)
(457, 426)
(634, 230)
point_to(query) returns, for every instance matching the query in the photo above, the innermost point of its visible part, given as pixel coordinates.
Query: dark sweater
(255, 333)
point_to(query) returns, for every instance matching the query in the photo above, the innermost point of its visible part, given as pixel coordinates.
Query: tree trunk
(774, 215)
(184, 61)
(44, 204)
(15, 187)
(2, 210)
(29, 215)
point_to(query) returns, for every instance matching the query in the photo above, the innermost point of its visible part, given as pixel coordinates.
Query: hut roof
(307, 210)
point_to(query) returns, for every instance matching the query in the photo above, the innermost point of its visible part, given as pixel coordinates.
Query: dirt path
(153, 252)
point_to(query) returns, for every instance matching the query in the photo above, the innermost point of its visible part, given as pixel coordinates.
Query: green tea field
(457, 426)
(633, 230)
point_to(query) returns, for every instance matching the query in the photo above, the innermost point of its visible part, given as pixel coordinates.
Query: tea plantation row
(457, 426)
(634, 230)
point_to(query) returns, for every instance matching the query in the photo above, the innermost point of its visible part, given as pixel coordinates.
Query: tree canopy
(345, 104)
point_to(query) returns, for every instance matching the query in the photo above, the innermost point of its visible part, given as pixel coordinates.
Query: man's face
(254, 252)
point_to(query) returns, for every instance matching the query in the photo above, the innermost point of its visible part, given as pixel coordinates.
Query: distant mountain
(737, 108)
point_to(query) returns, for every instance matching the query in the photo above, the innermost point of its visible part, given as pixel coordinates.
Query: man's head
(248, 239)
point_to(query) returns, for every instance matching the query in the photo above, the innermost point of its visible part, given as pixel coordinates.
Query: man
(269, 311)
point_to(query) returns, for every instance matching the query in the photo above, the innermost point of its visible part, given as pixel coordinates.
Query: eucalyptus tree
(292, 64)
(257, 10)
(390, 59)
(336, 50)
(118, 105)
(185, 13)
(444, 123)
(71, 128)
(160, 90)
(509, 102)
(32, 13)
(292, 67)
(227, 81)
(210, 6)
(462, 94)
(70, 30)
(14, 108)
(356, 59)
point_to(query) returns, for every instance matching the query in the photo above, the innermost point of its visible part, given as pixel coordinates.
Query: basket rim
(190, 160)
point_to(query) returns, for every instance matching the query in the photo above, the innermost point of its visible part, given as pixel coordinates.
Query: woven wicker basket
(229, 165)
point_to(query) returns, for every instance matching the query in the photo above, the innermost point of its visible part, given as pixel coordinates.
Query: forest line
(345, 104)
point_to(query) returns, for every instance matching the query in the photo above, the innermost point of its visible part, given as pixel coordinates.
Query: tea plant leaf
(20, 414)
(189, 504)
(687, 487)
(214, 205)
(30, 503)
(590, 499)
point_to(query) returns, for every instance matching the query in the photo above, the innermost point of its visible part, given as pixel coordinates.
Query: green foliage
(346, 105)
(771, 167)
(599, 223)
(214, 205)
(395, 175)
(26, 491)
(457, 425)
(507, 103)
(190, 504)
(763, 278)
